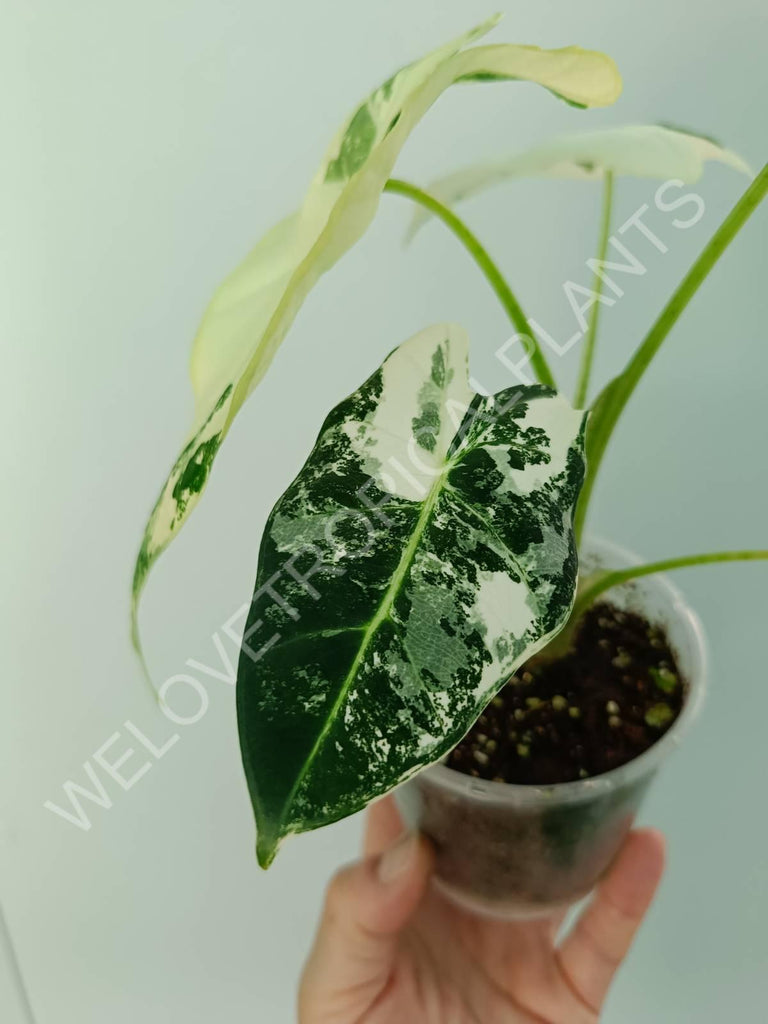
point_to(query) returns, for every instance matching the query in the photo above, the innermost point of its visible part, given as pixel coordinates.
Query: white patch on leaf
(391, 443)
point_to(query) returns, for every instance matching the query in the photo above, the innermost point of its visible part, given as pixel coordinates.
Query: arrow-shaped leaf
(423, 552)
(250, 314)
(641, 151)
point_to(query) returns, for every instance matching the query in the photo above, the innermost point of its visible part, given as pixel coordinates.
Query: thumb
(366, 907)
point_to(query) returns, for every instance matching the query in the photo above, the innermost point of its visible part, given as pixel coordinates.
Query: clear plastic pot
(515, 851)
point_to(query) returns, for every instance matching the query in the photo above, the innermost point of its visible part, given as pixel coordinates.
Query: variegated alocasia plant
(428, 546)
(250, 314)
(423, 552)
(655, 151)
(640, 151)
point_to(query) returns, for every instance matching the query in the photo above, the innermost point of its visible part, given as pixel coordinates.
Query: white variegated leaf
(422, 553)
(641, 151)
(252, 311)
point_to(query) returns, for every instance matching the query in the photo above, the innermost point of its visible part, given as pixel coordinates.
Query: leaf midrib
(382, 613)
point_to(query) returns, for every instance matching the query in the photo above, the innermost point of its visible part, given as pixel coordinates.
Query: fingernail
(396, 860)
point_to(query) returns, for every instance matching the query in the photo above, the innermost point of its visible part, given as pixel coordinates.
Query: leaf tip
(136, 642)
(614, 85)
(266, 848)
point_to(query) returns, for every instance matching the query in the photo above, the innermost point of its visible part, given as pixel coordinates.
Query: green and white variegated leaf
(250, 314)
(422, 553)
(641, 151)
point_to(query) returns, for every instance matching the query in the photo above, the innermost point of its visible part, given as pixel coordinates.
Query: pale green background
(145, 147)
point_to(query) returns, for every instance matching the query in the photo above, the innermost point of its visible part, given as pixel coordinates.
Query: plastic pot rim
(695, 677)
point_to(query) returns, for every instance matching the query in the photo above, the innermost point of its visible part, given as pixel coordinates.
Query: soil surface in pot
(613, 696)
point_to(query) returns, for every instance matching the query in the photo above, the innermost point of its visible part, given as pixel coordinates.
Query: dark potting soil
(613, 696)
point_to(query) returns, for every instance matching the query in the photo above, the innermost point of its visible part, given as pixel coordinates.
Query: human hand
(391, 950)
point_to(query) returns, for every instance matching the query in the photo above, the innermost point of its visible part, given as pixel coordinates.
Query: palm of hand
(454, 968)
(443, 965)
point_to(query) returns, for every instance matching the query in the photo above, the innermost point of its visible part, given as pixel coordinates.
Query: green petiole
(588, 352)
(492, 273)
(613, 399)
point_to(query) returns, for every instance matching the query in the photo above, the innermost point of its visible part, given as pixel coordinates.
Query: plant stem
(611, 402)
(492, 273)
(602, 581)
(592, 586)
(588, 352)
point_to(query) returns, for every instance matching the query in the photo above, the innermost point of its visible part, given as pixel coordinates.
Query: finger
(592, 953)
(383, 827)
(366, 906)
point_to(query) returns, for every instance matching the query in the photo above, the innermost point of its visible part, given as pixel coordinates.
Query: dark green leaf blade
(422, 553)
